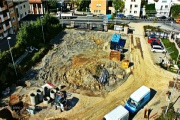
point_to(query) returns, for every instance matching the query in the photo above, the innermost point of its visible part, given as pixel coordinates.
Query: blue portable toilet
(109, 16)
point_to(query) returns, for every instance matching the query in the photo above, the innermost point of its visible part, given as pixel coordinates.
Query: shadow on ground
(152, 94)
(72, 102)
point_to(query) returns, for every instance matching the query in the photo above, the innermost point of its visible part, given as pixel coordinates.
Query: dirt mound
(79, 60)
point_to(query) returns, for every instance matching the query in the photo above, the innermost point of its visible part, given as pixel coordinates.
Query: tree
(118, 5)
(150, 9)
(78, 3)
(175, 10)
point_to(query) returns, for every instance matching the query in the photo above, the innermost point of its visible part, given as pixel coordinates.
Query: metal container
(46, 91)
(46, 100)
(33, 99)
(53, 93)
(39, 95)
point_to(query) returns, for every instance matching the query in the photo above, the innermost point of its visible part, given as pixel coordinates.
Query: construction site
(86, 75)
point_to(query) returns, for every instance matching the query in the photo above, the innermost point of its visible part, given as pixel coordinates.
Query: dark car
(162, 18)
(171, 19)
(156, 43)
(143, 17)
(152, 36)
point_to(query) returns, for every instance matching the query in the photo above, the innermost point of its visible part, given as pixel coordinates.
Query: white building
(132, 7)
(163, 6)
(22, 8)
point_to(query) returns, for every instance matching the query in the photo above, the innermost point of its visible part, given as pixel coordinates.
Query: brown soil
(145, 72)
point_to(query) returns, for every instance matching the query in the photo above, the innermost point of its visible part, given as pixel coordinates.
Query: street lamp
(61, 17)
(42, 28)
(11, 55)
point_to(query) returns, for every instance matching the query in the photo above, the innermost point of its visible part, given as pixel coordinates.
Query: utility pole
(11, 55)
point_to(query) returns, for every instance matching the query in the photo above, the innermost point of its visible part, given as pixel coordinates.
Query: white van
(158, 48)
(119, 113)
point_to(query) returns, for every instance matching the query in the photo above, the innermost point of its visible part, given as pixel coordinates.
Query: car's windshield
(132, 103)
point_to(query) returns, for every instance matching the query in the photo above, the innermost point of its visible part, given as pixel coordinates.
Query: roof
(115, 38)
(49, 85)
(32, 17)
(14, 99)
(140, 93)
(116, 113)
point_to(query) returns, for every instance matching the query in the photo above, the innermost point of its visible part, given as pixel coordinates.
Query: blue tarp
(116, 38)
(109, 16)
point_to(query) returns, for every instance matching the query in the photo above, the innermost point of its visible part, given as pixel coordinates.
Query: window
(166, 6)
(95, 11)
(99, 11)
(25, 13)
(135, 12)
(161, 7)
(133, 0)
(20, 7)
(21, 15)
(24, 6)
(13, 19)
(129, 11)
(11, 10)
(130, 6)
(98, 5)
(135, 5)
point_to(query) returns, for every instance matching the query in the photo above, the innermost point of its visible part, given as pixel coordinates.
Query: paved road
(4, 44)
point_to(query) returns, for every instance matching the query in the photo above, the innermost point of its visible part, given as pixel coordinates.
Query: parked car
(158, 48)
(152, 36)
(100, 15)
(130, 17)
(153, 39)
(152, 17)
(162, 18)
(89, 15)
(156, 43)
(143, 17)
(171, 19)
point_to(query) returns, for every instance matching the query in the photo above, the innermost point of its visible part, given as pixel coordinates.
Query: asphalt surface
(4, 44)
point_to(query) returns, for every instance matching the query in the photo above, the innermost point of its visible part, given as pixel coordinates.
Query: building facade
(37, 6)
(98, 7)
(22, 9)
(132, 7)
(163, 7)
(7, 18)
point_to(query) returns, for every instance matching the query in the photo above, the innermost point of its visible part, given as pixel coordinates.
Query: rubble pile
(78, 61)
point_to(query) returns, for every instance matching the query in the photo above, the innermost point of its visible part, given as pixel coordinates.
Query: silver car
(100, 15)
(89, 15)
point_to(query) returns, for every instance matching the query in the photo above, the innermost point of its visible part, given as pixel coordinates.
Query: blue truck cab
(138, 99)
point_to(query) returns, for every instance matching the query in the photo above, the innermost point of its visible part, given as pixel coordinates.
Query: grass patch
(170, 46)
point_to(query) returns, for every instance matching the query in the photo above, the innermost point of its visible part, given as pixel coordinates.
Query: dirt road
(145, 73)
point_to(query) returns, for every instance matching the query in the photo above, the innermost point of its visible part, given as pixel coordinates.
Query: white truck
(119, 113)
(64, 15)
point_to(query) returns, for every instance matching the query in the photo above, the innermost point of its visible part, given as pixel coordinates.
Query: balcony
(4, 27)
(8, 26)
(1, 30)
(2, 8)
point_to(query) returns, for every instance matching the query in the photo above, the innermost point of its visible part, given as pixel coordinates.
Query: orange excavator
(178, 20)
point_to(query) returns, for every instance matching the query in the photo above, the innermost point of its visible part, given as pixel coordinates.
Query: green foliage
(118, 5)
(172, 47)
(175, 10)
(154, 20)
(156, 29)
(150, 9)
(171, 115)
(52, 3)
(28, 35)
